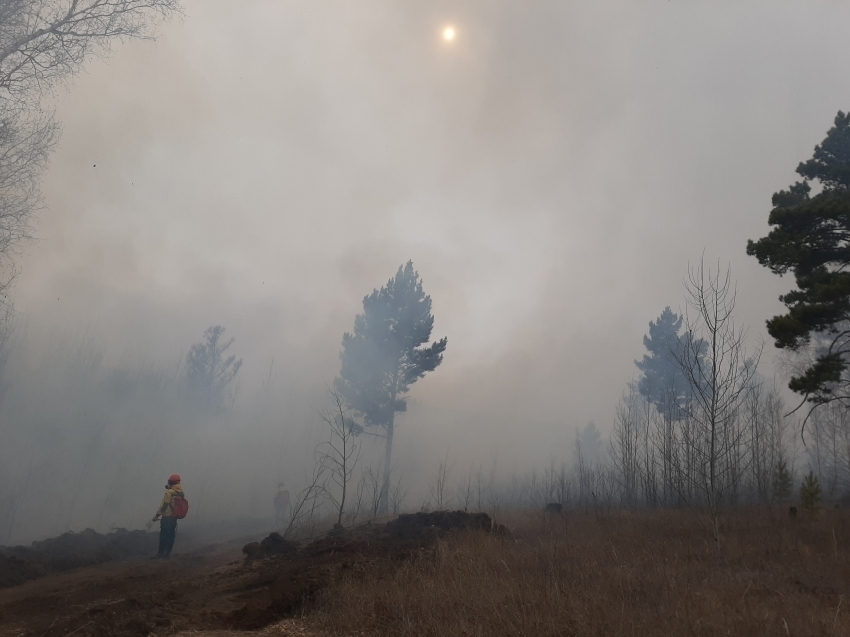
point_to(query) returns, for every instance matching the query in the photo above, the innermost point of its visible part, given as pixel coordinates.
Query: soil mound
(19, 564)
(273, 544)
(283, 582)
(415, 525)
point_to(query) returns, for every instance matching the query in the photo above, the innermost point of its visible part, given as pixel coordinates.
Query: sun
(449, 34)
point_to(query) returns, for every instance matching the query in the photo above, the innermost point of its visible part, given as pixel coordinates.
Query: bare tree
(307, 501)
(715, 363)
(398, 493)
(46, 41)
(769, 440)
(829, 450)
(339, 453)
(367, 493)
(43, 42)
(25, 145)
(440, 487)
(7, 328)
(481, 489)
(464, 493)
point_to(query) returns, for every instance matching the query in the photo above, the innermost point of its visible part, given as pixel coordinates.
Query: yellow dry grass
(623, 574)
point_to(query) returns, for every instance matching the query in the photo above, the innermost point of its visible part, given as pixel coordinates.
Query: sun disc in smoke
(449, 34)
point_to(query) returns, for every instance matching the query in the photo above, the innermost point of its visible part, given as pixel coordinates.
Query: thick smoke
(264, 165)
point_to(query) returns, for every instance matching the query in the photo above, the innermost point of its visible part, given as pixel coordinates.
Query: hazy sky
(551, 173)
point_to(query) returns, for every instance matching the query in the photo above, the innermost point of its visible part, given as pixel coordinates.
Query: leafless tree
(464, 494)
(43, 42)
(829, 449)
(368, 493)
(669, 415)
(339, 453)
(307, 502)
(719, 371)
(480, 489)
(440, 486)
(625, 446)
(46, 41)
(770, 440)
(398, 494)
(604, 490)
(584, 474)
(7, 332)
(563, 486)
(554, 485)
(26, 140)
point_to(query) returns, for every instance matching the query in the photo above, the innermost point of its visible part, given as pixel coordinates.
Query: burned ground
(19, 564)
(589, 573)
(214, 590)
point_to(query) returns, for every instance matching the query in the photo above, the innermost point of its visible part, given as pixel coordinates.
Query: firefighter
(281, 501)
(166, 517)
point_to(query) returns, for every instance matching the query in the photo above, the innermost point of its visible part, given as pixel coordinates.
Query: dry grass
(627, 574)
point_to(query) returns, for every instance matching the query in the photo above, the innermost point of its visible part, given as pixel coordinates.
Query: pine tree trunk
(388, 463)
(388, 452)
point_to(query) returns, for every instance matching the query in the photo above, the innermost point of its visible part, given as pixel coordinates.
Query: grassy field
(648, 573)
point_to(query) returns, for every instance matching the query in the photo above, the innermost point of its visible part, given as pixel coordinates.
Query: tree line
(701, 427)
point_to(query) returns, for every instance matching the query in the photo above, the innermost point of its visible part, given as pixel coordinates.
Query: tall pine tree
(811, 239)
(386, 354)
(662, 382)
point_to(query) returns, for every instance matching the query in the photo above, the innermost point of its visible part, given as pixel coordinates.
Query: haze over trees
(209, 374)
(43, 43)
(698, 428)
(385, 354)
(590, 448)
(721, 439)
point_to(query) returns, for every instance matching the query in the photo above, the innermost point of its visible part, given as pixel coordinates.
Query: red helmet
(174, 478)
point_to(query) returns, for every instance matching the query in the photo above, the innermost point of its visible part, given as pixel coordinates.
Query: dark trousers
(167, 531)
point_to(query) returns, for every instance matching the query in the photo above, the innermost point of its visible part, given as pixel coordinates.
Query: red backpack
(179, 506)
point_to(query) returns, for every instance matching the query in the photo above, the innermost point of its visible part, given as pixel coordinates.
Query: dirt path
(218, 592)
(125, 598)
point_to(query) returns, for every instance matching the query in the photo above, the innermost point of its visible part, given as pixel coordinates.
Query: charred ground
(451, 573)
(226, 587)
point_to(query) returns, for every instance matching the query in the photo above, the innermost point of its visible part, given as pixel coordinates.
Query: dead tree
(307, 502)
(719, 372)
(42, 43)
(339, 453)
(439, 488)
(625, 446)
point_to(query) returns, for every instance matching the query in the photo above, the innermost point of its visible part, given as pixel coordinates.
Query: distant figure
(167, 517)
(792, 512)
(281, 501)
(554, 507)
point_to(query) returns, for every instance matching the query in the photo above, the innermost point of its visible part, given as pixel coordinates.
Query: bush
(810, 494)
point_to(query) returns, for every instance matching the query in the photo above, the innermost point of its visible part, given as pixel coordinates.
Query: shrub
(810, 494)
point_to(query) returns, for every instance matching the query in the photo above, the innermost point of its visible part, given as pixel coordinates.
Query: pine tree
(385, 356)
(783, 482)
(810, 493)
(662, 382)
(589, 445)
(810, 239)
(208, 372)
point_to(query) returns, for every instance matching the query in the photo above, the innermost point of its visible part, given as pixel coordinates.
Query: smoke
(264, 165)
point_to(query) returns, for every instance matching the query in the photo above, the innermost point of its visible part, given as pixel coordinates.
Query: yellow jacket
(170, 492)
